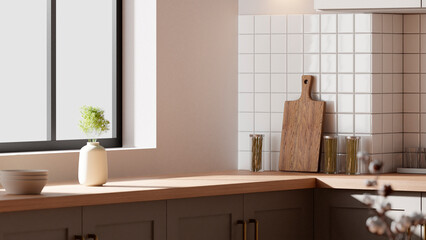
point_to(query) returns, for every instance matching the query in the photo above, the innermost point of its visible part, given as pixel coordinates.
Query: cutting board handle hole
(306, 81)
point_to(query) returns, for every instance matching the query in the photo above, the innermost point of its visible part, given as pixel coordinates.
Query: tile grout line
(403, 80)
(319, 82)
(319, 79)
(394, 35)
(380, 72)
(372, 79)
(286, 70)
(393, 91)
(270, 93)
(353, 82)
(353, 72)
(254, 74)
(392, 80)
(402, 88)
(420, 84)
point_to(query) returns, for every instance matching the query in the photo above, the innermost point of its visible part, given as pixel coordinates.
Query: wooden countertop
(163, 188)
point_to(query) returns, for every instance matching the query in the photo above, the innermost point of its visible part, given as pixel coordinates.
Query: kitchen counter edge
(201, 185)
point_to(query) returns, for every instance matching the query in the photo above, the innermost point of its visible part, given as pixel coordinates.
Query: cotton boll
(370, 225)
(368, 200)
(376, 225)
(385, 206)
(371, 183)
(395, 228)
(400, 228)
(375, 166)
(381, 229)
(385, 190)
(363, 156)
(404, 222)
(417, 218)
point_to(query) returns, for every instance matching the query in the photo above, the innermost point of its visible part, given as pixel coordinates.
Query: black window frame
(52, 144)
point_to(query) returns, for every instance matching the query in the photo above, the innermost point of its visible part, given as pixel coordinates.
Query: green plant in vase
(93, 164)
(93, 122)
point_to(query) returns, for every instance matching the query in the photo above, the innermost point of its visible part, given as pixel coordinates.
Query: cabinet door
(340, 215)
(280, 215)
(207, 218)
(365, 4)
(54, 224)
(142, 221)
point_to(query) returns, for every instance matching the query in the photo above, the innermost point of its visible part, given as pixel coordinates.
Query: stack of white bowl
(23, 181)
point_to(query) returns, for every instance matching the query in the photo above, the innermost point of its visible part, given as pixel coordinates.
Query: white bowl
(23, 177)
(23, 186)
(23, 172)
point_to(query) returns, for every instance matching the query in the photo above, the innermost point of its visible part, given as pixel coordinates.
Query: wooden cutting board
(301, 133)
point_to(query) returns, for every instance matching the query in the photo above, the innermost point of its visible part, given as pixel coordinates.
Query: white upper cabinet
(367, 4)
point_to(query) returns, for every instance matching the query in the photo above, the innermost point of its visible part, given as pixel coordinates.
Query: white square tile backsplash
(278, 24)
(278, 43)
(262, 24)
(295, 23)
(262, 44)
(295, 43)
(412, 23)
(328, 23)
(311, 43)
(328, 43)
(363, 43)
(311, 23)
(346, 23)
(368, 68)
(363, 23)
(246, 24)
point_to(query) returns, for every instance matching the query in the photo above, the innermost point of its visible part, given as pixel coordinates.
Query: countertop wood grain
(201, 185)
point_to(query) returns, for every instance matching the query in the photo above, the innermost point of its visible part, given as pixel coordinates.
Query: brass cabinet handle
(78, 237)
(256, 229)
(92, 236)
(244, 228)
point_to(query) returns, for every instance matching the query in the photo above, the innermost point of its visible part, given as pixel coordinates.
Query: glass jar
(412, 157)
(256, 152)
(330, 154)
(352, 148)
(423, 159)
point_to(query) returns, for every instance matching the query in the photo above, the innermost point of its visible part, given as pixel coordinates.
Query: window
(56, 56)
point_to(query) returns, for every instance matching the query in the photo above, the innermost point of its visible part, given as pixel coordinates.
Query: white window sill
(68, 151)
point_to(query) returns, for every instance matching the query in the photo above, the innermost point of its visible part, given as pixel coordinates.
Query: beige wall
(196, 96)
(277, 7)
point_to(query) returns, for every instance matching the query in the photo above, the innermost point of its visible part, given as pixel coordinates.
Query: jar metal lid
(414, 149)
(257, 135)
(330, 137)
(353, 137)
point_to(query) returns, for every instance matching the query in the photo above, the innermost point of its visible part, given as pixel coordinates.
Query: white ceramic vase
(93, 165)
